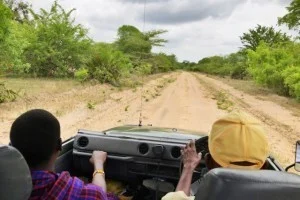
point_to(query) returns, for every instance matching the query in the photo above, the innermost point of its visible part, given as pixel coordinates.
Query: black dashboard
(134, 156)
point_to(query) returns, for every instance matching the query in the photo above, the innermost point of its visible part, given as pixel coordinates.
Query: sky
(196, 28)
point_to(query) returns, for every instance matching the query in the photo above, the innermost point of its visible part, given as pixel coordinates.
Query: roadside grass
(61, 96)
(126, 108)
(35, 86)
(91, 105)
(261, 93)
(7, 95)
(223, 100)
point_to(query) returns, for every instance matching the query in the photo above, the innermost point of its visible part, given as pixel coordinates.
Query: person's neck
(48, 166)
(44, 167)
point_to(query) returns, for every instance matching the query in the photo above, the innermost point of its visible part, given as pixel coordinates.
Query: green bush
(81, 74)
(59, 46)
(108, 65)
(292, 80)
(276, 67)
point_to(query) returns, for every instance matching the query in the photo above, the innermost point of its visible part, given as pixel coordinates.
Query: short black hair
(36, 134)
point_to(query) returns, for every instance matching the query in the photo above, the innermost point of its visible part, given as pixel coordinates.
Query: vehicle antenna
(144, 24)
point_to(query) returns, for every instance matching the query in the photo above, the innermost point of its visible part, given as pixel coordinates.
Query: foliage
(81, 74)
(5, 17)
(107, 64)
(292, 18)
(91, 105)
(237, 63)
(18, 40)
(277, 67)
(132, 41)
(59, 47)
(292, 80)
(7, 95)
(20, 10)
(260, 33)
(50, 44)
(162, 63)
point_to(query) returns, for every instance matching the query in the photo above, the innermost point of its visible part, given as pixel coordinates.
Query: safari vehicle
(147, 161)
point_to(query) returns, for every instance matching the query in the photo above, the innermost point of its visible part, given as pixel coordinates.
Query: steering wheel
(201, 146)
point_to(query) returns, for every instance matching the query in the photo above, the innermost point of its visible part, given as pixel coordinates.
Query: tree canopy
(260, 33)
(292, 18)
(59, 45)
(133, 41)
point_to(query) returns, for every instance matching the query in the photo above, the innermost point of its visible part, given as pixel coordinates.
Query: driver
(36, 134)
(236, 141)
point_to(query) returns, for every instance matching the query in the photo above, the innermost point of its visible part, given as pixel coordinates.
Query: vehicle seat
(15, 178)
(233, 184)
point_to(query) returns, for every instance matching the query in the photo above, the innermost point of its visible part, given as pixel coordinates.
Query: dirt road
(180, 99)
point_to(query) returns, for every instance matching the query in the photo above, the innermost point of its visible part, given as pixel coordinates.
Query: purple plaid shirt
(51, 186)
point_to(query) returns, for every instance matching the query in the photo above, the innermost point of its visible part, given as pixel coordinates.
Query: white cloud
(191, 39)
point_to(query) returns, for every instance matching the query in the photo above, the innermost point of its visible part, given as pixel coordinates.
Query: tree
(5, 18)
(153, 37)
(108, 65)
(292, 18)
(20, 10)
(60, 45)
(5, 24)
(131, 40)
(260, 33)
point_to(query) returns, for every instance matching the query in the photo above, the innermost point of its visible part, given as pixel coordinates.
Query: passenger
(236, 141)
(36, 134)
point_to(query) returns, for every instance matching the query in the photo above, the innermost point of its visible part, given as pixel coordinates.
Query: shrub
(108, 65)
(82, 74)
(7, 95)
(292, 80)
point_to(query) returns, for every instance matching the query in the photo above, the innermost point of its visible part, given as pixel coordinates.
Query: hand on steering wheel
(190, 157)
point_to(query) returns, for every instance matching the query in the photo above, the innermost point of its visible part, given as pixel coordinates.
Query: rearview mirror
(297, 160)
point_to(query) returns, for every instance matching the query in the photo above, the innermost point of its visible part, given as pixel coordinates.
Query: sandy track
(184, 104)
(180, 104)
(176, 100)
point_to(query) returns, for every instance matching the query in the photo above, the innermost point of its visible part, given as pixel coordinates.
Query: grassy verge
(35, 86)
(250, 87)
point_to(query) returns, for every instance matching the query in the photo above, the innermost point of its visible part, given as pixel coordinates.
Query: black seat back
(15, 178)
(229, 184)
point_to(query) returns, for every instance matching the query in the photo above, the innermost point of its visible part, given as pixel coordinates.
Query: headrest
(235, 184)
(15, 178)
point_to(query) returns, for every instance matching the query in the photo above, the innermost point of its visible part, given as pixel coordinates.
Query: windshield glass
(98, 65)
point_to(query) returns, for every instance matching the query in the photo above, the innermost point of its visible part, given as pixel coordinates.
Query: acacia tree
(131, 40)
(268, 35)
(59, 46)
(292, 18)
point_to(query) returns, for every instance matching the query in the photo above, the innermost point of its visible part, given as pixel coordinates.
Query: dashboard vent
(175, 152)
(83, 141)
(143, 148)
